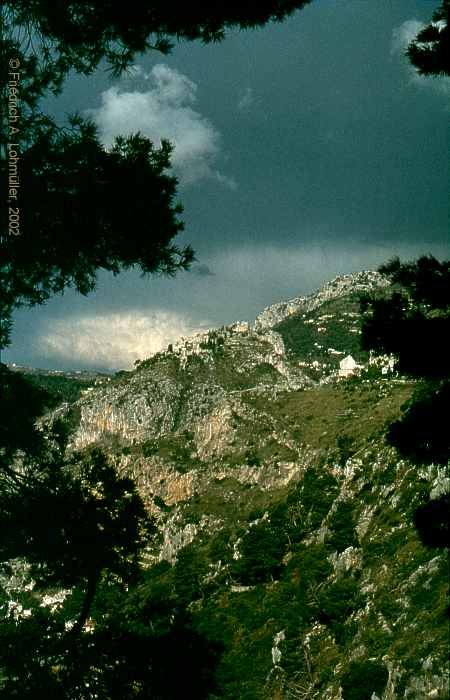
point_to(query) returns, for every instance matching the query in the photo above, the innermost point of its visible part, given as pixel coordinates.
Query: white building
(348, 366)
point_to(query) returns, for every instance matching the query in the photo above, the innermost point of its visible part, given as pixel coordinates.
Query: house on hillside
(348, 366)
(386, 363)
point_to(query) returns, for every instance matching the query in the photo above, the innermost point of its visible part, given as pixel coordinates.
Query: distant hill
(62, 386)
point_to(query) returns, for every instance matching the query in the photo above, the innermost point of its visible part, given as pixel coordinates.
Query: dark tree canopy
(422, 434)
(77, 35)
(54, 37)
(363, 678)
(72, 521)
(120, 661)
(21, 403)
(262, 551)
(430, 51)
(425, 280)
(432, 520)
(411, 320)
(88, 207)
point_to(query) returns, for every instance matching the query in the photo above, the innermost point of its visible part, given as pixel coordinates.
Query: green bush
(342, 525)
(311, 564)
(160, 503)
(335, 604)
(219, 549)
(345, 448)
(317, 495)
(149, 448)
(262, 550)
(188, 574)
(363, 678)
(252, 459)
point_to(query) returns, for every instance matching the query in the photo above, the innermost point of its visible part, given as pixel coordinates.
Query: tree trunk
(87, 604)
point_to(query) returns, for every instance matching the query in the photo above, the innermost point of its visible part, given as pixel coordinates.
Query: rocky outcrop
(188, 386)
(226, 433)
(365, 281)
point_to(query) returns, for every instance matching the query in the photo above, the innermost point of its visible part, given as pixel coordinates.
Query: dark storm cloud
(339, 153)
(202, 271)
(130, 318)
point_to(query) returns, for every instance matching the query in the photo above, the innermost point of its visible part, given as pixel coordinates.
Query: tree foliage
(430, 50)
(118, 661)
(421, 434)
(21, 403)
(432, 520)
(363, 678)
(262, 551)
(73, 521)
(342, 525)
(412, 321)
(53, 38)
(88, 208)
(77, 35)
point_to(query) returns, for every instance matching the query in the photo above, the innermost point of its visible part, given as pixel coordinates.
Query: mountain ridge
(284, 519)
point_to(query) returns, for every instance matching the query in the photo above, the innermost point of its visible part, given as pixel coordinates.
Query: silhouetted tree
(363, 678)
(21, 403)
(87, 208)
(73, 522)
(432, 520)
(53, 38)
(430, 50)
(76, 35)
(421, 434)
(411, 320)
(123, 658)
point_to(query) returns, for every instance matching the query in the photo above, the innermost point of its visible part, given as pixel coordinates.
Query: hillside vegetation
(285, 563)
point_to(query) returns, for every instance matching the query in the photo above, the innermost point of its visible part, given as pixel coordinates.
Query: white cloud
(113, 340)
(402, 36)
(163, 107)
(245, 280)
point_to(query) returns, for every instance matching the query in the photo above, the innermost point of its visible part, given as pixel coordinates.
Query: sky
(304, 150)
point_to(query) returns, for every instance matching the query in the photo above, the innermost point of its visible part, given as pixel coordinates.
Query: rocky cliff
(182, 388)
(280, 506)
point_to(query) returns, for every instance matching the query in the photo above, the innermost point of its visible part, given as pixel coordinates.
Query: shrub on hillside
(262, 550)
(362, 679)
(342, 525)
(432, 521)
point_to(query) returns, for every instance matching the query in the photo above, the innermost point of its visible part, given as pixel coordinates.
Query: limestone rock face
(189, 386)
(365, 281)
(246, 431)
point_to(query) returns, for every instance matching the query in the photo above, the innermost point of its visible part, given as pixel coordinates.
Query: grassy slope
(341, 331)
(389, 605)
